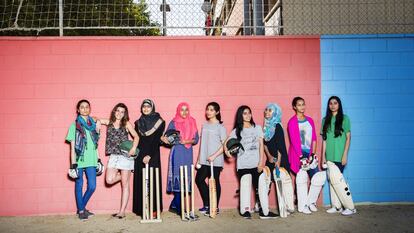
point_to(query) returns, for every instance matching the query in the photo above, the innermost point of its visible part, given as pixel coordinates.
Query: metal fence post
(60, 17)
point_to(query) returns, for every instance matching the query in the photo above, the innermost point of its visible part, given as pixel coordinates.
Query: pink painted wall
(41, 79)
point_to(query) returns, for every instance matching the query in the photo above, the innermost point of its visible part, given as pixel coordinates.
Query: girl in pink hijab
(181, 153)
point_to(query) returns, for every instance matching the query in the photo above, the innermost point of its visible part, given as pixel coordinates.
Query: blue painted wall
(374, 77)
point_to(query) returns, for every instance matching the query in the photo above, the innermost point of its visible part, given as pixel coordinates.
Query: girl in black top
(274, 138)
(150, 127)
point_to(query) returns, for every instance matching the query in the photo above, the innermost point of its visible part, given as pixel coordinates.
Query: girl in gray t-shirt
(249, 160)
(213, 134)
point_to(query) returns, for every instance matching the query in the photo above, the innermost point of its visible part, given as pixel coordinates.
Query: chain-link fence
(204, 17)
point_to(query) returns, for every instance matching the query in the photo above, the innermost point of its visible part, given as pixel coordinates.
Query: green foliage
(43, 18)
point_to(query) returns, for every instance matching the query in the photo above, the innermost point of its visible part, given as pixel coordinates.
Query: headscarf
(270, 124)
(147, 122)
(187, 126)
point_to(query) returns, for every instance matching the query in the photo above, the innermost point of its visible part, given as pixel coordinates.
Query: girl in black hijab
(150, 127)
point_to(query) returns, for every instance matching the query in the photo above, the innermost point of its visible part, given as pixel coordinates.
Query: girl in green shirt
(336, 134)
(83, 136)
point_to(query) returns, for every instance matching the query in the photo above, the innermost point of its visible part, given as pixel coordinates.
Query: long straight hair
(328, 118)
(124, 119)
(238, 121)
(216, 107)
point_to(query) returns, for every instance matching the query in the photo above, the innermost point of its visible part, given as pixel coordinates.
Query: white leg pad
(318, 180)
(302, 189)
(245, 192)
(287, 188)
(340, 186)
(264, 183)
(335, 202)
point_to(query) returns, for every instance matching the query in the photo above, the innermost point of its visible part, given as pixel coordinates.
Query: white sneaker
(348, 212)
(334, 210)
(306, 210)
(313, 208)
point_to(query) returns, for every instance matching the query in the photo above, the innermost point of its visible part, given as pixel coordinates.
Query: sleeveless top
(114, 137)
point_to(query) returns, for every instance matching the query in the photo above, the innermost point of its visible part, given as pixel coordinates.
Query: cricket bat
(147, 191)
(279, 192)
(212, 192)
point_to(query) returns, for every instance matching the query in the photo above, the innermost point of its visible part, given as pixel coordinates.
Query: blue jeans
(82, 199)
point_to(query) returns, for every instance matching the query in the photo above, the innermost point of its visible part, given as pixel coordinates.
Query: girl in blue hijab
(274, 138)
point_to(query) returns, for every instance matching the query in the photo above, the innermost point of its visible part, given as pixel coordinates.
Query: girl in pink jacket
(302, 157)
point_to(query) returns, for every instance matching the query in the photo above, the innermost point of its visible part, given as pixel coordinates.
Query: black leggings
(200, 179)
(340, 166)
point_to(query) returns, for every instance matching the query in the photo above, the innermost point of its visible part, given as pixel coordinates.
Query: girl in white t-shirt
(213, 134)
(250, 159)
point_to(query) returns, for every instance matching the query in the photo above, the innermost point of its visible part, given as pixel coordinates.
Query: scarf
(270, 124)
(187, 126)
(80, 135)
(147, 122)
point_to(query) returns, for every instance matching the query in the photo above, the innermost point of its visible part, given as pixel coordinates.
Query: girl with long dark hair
(213, 134)
(250, 159)
(336, 134)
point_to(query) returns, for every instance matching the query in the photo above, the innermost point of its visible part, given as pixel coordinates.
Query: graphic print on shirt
(305, 130)
(250, 142)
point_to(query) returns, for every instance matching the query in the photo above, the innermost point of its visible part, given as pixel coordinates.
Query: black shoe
(118, 216)
(173, 210)
(83, 216)
(204, 209)
(270, 215)
(90, 214)
(247, 215)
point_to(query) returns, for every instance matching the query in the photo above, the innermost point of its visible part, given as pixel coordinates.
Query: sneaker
(306, 210)
(90, 214)
(208, 212)
(203, 210)
(334, 210)
(312, 207)
(83, 216)
(348, 212)
(270, 215)
(174, 210)
(247, 215)
(290, 211)
(87, 211)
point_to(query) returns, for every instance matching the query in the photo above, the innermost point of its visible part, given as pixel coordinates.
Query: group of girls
(262, 147)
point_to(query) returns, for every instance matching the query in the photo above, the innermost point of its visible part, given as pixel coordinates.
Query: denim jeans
(82, 199)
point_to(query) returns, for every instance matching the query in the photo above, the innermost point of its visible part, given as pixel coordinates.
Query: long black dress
(277, 144)
(148, 145)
